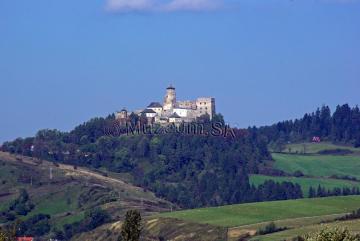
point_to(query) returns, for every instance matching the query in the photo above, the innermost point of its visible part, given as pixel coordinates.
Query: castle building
(173, 111)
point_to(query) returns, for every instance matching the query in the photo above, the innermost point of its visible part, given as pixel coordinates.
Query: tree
(131, 229)
(312, 192)
(8, 233)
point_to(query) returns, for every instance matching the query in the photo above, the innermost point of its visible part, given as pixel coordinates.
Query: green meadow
(312, 148)
(252, 213)
(318, 165)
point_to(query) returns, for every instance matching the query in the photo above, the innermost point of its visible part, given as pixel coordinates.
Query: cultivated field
(252, 213)
(353, 226)
(318, 165)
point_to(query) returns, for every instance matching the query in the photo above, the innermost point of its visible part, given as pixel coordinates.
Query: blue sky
(63, 62)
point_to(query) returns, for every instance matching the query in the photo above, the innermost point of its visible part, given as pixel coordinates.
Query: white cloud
(129, 5)
(191, 5)
(161, 6)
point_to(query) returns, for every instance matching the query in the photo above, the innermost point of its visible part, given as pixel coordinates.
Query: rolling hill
(318, 165)
(299, 216)
(66, 192)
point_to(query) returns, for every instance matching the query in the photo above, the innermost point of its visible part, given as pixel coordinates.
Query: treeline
(341, 126)
(323, 192)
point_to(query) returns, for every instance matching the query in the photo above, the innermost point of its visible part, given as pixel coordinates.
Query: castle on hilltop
(171, 110)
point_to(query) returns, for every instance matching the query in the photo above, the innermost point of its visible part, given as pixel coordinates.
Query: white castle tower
(170, 99)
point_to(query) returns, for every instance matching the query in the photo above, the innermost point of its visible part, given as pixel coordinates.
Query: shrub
(270, 228)
(335, 234)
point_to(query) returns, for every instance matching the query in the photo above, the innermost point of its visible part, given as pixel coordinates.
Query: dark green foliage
(35, 226)
(93, 219)
(354, 215)
(22, 205)
(271, 191)
(270, 228)
(192, 170)
(322, 192)
(341, 126)
(131, 228)
(335, 152)
(312, 192)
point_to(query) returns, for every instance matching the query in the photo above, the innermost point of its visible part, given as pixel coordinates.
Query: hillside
(235, 221)
(251, 213)
(319, 165)
(297, 215)
(333, 167)
(71, 192)
(155, 229)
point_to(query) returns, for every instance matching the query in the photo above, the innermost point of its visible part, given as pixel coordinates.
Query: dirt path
(285, 220)
(80, 171)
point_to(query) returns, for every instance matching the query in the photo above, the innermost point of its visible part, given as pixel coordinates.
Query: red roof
(25, 239)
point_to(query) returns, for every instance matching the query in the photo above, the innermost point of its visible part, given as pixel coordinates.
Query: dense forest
(342, 126)
(188, 169)
(192, 170)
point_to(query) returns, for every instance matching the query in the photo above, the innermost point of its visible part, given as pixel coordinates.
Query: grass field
(353, 226)
(311, 147)
(305, 183)
(251, 213)
(318, 165)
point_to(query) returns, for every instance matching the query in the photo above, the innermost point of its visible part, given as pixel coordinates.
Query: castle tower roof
(174, 115)
(155, 105)
(148, 111)
(170, 87)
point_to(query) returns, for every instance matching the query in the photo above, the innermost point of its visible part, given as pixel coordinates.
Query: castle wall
(188, 104)
(205, 105)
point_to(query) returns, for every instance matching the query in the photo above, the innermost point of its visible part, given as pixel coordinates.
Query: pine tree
(131, 229)
(312, 192)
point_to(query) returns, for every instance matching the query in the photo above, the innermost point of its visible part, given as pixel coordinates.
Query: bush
(93, 219)
(335, 234)
(22, 205)
(298, 174)
(270, 228)
(37, 225)
(335, 152)
(353, 215)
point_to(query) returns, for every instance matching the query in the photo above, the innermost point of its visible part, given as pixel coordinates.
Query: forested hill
(192, 170)
(341, 126)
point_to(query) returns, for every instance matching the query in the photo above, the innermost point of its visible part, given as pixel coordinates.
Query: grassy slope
(243, 214)
(305, 183)
(318, 165)
(353, 226)
(316, 147)
(59, 196)
(153, 228)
